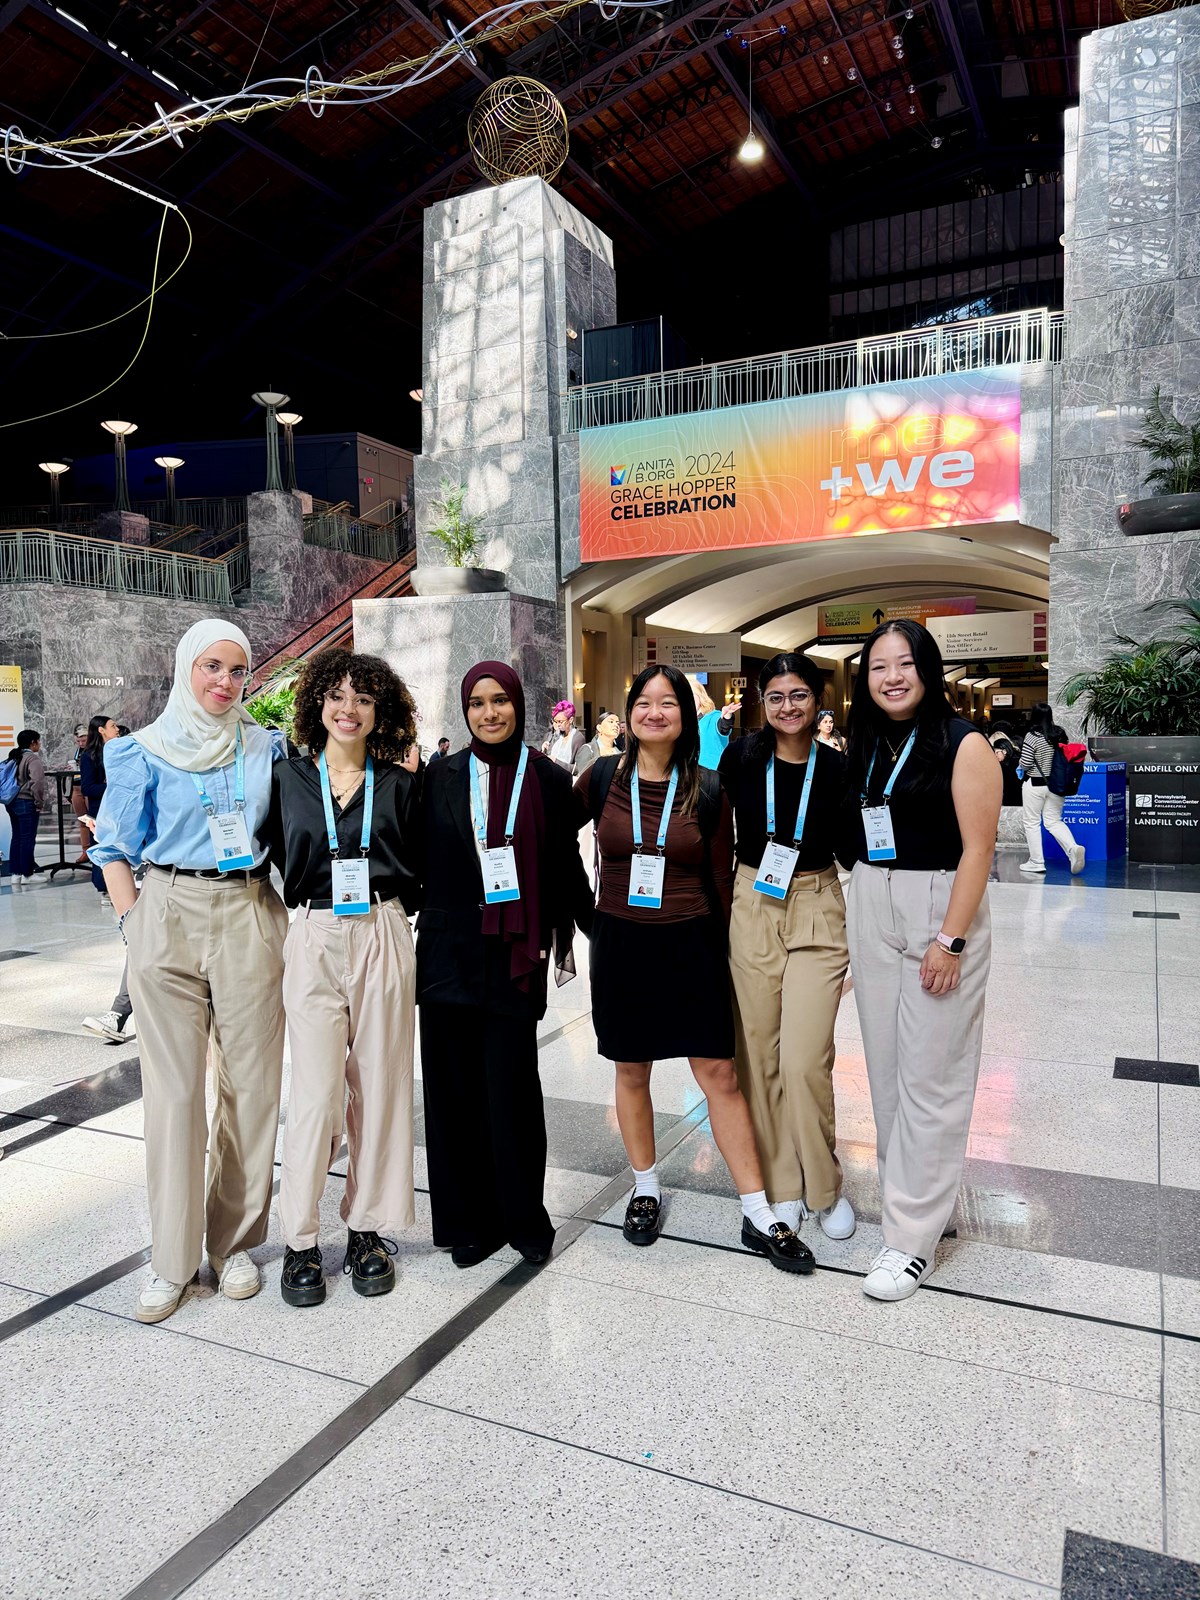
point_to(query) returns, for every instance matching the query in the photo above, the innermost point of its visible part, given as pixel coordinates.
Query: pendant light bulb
(752, 149)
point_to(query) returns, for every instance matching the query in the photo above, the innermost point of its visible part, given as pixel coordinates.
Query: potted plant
(273, 703)
(459, 535)
(1174, 447)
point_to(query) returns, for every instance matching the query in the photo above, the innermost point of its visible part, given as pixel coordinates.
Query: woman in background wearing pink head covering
(565, 741)
(482, 957)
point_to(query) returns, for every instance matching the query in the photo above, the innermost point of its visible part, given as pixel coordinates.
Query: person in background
(715, 726)
(659, 951)
(1039, 804)
(565, 742)
(442, 751)
(78, 803)
(190, 795)
(826, 733)
(787, 942)
(92, 781)
(411, 759)
(604, 744)
(113, 1024)
(1009, 756)
(924, 791)
(27, 805)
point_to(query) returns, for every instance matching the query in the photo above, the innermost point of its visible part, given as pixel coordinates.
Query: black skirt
(661, 989)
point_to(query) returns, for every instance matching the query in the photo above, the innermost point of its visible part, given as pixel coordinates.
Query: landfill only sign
(858, 618)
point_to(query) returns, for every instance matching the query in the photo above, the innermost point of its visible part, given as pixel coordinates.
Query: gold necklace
(894, 748)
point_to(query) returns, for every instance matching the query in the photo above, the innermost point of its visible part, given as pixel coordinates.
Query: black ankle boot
(303, 1280)
(368, 1258)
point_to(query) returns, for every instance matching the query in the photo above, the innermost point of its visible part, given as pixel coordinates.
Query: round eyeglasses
(214, 671)
(798, 697)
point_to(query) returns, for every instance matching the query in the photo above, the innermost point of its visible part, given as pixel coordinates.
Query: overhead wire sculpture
(517, 129)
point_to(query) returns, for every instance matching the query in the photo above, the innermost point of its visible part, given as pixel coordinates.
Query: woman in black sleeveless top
(923, 802)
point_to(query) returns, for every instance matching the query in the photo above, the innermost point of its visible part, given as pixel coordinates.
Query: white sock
(788, 1212)
(756, 1210)
(646, 1183)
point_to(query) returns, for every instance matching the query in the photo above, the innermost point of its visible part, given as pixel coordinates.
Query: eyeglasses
(798, 697)
(214, 672)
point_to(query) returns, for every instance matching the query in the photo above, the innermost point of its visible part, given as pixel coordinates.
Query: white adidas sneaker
(895, 1275)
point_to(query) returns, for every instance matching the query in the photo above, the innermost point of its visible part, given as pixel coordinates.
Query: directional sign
(857, 618)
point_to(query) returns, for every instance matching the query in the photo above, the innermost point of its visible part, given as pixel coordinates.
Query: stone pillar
(1133, 303)
(513, 275)
(275, 539)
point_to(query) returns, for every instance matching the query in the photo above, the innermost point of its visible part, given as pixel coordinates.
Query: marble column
(1133, 298)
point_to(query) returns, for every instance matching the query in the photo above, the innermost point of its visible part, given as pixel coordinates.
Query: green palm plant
(1142, 691)
(1175, 446)
(273, 704)
(459, 533)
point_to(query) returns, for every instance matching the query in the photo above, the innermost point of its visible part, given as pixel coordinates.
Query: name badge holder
(647, 873)
(227, 829)
(499, 865)
(877, 820)
(351, 879)
(779, 860)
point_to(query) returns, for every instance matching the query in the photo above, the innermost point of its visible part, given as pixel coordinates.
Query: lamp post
(120, 432)
(55, 470)
(169, 464)
(290, 420)
(271, 402)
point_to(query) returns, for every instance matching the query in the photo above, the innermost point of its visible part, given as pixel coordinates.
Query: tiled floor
(675, 1422)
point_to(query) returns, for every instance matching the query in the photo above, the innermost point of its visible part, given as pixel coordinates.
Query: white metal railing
(1010, 339)
(39, 555)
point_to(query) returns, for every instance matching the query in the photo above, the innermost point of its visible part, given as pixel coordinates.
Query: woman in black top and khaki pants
(349, 981)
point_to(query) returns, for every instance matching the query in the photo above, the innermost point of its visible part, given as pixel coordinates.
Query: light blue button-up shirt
(151, 811)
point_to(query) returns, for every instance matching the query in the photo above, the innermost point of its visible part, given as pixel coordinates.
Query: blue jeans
(23, 815)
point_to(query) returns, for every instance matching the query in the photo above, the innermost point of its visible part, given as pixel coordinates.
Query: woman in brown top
(660, 980)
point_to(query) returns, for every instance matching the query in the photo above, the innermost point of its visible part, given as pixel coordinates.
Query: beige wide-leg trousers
(788, 959)
(205, 967)
(922, 1049)
(349, 989)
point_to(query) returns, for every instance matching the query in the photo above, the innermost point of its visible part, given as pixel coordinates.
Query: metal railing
(237, 564)
(332, 530)
(1013, 338)
(211, 513)
(38, 555)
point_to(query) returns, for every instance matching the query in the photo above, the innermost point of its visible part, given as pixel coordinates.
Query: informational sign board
(990, 634)
(1096, 815)
(1164, 811)
(925, 453)
(1002, 700)
(690, 652)
(12, 720)
(856, 619)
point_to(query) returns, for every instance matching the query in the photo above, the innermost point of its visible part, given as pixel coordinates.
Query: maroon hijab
(517, 921)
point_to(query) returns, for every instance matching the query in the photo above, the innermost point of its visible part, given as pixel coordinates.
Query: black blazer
(456, 964)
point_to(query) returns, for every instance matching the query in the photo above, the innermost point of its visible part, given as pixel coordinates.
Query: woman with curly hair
(345, 834)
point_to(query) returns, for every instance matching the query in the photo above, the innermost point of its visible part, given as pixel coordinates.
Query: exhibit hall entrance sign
(925, 453)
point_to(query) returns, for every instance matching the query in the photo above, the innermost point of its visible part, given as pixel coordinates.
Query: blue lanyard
(477, 793)
(891, 783)
(635, 796)
(364, 843)
(804, 794)
(239, 781)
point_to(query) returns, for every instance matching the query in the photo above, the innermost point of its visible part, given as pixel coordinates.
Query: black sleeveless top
(925, 824)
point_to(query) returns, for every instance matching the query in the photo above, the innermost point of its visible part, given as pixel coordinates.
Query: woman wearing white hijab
(189, 795)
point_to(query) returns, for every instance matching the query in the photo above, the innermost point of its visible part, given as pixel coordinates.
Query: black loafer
(368, 1258)
(643, 1219)
(470, 1255)
(785, 1249)
(303, 1280)
(537, 1253)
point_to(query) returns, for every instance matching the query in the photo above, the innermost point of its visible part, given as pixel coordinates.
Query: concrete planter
(1162, 513)
(457, 580)
(1164, 795)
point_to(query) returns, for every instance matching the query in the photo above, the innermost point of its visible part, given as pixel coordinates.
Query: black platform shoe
(470, 1255)
(368, 1258)
(303, 1280)
(643, 1219)
(785, 1249)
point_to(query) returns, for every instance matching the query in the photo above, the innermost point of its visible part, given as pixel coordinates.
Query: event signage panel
(855, 619)
(925, 453)
(691, 652)
(1164, 811)
(990, 634)
(12, 708)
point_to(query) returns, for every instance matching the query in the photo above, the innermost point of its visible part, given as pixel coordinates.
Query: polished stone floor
(682, 1421)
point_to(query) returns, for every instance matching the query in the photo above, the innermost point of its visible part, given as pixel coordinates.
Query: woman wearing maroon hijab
(504, 887)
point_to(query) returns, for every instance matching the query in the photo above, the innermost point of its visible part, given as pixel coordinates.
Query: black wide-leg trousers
(485, 1128)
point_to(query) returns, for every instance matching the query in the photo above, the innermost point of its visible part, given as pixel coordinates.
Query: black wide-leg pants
(485, 1128)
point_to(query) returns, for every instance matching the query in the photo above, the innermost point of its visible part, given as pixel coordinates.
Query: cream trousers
(922, 1049)
(1038, 805)
(349, 989)
(205, 968)
(787, 959)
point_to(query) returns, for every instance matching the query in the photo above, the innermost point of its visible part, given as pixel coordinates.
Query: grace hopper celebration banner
(927, 453)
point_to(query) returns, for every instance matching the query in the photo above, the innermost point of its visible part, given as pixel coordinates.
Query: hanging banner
(926, 453)
(690, 652)
(990, 634)
(856, 619)
(12, 708)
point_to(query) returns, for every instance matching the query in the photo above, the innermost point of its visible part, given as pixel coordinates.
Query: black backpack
(708, 815)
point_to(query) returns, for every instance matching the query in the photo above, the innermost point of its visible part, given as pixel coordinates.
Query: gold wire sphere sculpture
(517, 129)
(1137, 10)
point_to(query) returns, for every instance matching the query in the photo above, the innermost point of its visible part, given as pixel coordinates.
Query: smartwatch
(954, 947)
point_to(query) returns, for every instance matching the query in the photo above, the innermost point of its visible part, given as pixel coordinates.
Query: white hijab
(186, 735)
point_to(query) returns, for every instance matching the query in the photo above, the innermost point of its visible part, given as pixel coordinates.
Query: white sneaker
(159, 1298)
(1078, 860)
(838, 1220)
(239, 1279)
(109, 1026)
(894, 1275)
(1033, 866)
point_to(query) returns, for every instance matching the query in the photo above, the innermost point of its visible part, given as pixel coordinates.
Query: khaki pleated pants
(349, 989)
(205, 974)
(922, 1049)
(788, 959)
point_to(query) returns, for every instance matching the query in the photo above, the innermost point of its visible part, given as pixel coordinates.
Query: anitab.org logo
(616, 476)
